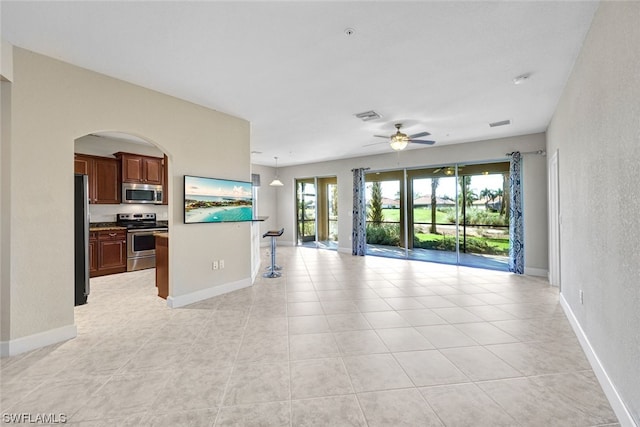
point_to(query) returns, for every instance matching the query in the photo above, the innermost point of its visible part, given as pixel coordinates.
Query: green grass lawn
(474, 244)
(422, 217)
(419, 215)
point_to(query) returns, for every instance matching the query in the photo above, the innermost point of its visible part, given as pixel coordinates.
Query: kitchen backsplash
(107, 213)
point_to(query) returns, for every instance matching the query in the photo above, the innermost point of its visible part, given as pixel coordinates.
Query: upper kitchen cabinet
(104, 177)
(141, 169)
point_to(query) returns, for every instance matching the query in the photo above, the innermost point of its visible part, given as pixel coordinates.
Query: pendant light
(276, 182)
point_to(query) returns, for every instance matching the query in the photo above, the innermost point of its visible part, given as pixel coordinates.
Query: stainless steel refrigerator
(81, 238)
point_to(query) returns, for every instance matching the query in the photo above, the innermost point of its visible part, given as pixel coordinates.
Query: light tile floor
(336, 341)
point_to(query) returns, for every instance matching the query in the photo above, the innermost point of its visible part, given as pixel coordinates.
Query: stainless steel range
(141, 242)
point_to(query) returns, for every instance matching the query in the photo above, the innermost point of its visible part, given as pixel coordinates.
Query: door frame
(554, 220)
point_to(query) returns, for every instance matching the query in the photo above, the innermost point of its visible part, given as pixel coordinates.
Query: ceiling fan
(399, 140)
(448, 170)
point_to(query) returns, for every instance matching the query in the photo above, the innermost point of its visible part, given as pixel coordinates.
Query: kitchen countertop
(105, 226)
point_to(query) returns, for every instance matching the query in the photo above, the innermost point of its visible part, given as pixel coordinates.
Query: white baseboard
(35, 341)
(530, 271)
(182, 300)
(624, 417)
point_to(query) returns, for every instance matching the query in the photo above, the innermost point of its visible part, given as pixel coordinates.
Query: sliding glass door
(484, 223)
(386, 214)
(452, 214)
(317, 212)
(306, 210)
(433, 214)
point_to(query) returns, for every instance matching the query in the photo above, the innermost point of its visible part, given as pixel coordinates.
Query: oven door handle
(148, 231)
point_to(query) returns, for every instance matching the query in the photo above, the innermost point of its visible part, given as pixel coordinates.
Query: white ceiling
(290, 69)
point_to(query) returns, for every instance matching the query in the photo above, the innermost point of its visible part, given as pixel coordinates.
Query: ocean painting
(216, 200)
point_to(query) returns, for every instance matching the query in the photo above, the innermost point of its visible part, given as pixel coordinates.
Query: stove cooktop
(139, 221)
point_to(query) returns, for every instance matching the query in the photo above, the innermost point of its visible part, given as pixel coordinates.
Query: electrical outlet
(221, 264)
(581, 297)
(215, 265)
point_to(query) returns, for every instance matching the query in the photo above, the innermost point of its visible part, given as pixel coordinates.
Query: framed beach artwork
(216, 200)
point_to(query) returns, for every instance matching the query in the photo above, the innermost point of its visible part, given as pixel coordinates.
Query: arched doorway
(120, 206)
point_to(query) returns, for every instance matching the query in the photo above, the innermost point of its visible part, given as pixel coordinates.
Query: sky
(216, 187)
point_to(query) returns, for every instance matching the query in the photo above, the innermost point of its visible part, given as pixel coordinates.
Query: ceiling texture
(300, 71)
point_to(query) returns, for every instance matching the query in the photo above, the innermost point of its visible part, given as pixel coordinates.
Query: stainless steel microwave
(141, 193)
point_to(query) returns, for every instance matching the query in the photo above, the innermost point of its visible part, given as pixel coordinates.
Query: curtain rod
(366, 169)
(540, 152)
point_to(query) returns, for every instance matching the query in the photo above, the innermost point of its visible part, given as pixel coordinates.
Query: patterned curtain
(359, 230)
(516, 222)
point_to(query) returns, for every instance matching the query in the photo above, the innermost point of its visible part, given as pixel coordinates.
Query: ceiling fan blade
(382, 136)
(437, 170)
(422, 141)
(375, 143)
(419, 135)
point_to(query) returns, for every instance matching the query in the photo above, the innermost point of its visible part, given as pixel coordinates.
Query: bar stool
(273, 267)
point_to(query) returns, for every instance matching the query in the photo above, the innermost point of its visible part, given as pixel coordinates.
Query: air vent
(368, 115)
(502, 123)
(255, 179)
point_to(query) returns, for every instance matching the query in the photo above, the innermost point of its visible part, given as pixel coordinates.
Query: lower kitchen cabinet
(111, 254)
(162, 264)
(93, 253)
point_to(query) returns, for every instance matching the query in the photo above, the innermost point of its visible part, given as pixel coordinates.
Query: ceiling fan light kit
(399, 142)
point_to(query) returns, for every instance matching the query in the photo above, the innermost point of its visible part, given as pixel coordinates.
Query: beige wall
(5, 219)
(52, 104)
(534, 183)
(596, 130)
(6, 75)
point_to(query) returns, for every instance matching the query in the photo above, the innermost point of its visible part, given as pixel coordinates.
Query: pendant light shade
(276, 182)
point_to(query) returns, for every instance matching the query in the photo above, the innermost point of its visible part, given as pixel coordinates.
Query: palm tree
(467, 194)
(499, 197)
(504, 206)
(471, 197)
(334, 200)
(434, 186)
(490, 196)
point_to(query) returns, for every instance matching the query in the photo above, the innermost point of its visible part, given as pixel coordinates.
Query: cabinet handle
(113, 234)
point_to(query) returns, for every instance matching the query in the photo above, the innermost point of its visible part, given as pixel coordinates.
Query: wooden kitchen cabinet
(83, 164)
(111, 256)
(104, 177)
(93, 253)
(162, 264)
(165, 179)
(141, 169)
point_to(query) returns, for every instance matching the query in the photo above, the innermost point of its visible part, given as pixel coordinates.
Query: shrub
(479, 245)
(480, 216)
(442, 243)
(383, 234)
